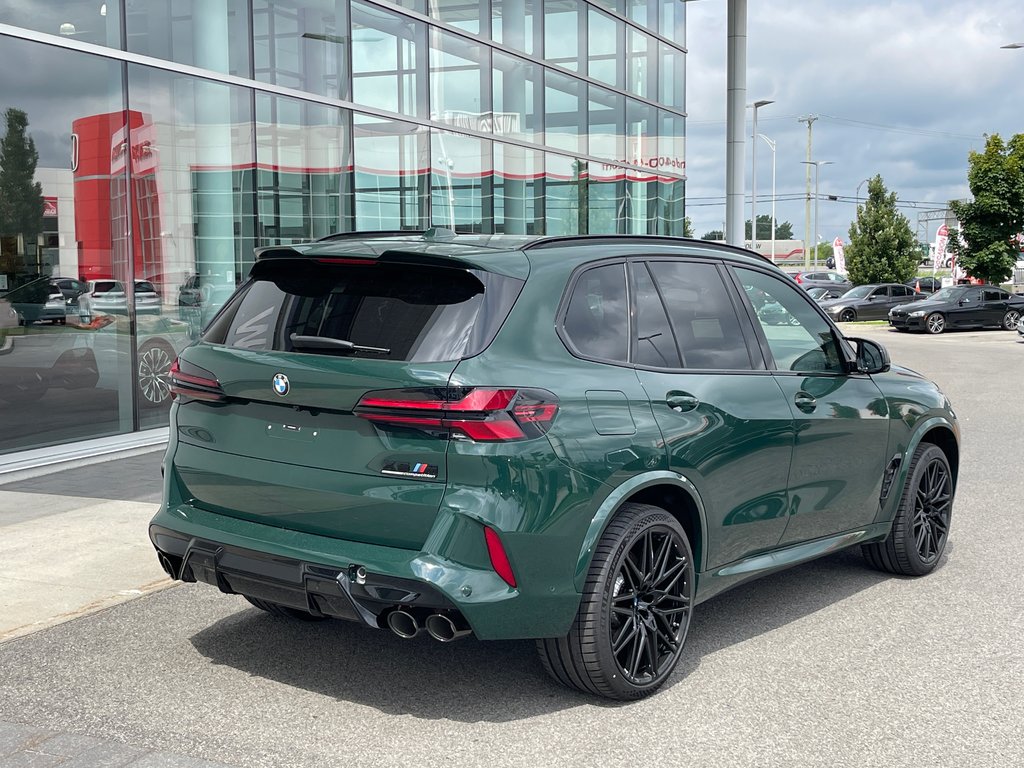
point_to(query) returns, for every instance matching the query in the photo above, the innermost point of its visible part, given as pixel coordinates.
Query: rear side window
(596, 321)
(380, 311)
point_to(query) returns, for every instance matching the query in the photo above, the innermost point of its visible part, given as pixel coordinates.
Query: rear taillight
(190, 382)
(484, 414)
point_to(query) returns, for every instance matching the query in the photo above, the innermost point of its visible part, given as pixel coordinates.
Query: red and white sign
(941, 243)
(839, 255)
(49, 206)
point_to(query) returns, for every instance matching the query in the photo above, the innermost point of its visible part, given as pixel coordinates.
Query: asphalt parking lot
(827, 664)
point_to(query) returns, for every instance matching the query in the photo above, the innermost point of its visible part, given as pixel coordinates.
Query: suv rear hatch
(268, 422)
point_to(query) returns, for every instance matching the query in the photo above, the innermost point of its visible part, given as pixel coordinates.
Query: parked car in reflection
(924, 284)
(960, 306)
(832, 280)
(109, 297)
(96, 354)
(821, 294)
(8, 321)
(199, 300)
(70, 287)
(36, 301)
(1020, 326)
(869, 302)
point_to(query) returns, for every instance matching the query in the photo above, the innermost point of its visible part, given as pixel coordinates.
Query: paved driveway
(828, 664)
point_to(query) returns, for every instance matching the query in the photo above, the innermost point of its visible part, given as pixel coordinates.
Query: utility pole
(809, 119)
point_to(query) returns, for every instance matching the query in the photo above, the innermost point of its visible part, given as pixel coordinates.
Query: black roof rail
(550, 242)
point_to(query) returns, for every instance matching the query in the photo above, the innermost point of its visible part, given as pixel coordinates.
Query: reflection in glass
(518, 190)
(562, 19)
(461, 183)
(516, 92)
(389, 57)
(637, 10)
(604, 37)
(302, 44)
(464, 14)
(565, 121)
(516, 23)
(84, 21)
(673, 20)
(390, 174)
(641, 64)
(641, 134)
(304, 170)
(672, 77)
(565, 198)
(211, 34)
(459, 95)
(607, 124)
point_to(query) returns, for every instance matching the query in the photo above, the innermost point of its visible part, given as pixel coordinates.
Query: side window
(702, 315)
(654, 338)
(995, 296)
(970, 297)
(596, 321)
(799, 338)
(901, 290)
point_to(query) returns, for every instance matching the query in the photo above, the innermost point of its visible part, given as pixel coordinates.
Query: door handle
(681, 402)
(805, 402)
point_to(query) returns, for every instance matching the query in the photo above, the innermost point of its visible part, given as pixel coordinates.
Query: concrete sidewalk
(74, 542)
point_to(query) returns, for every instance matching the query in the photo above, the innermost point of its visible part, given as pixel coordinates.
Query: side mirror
(871, 356)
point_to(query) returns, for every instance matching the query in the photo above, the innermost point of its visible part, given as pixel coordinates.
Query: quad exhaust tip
(444, 629)
(403, 624)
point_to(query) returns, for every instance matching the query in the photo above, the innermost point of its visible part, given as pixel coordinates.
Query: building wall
(177, 137)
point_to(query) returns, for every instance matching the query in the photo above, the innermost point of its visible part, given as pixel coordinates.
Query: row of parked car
(920, 304)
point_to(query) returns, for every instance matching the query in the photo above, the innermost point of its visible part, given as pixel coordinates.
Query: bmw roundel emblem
(281, 385)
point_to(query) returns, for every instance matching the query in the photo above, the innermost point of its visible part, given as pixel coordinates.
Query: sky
(905, 89)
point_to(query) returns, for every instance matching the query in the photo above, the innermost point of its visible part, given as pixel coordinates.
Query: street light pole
(857, 196)
(771, 144)
(753, 174)
(816, 164)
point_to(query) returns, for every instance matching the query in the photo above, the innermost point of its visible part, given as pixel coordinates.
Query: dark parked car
(822, 294)
(924, 284)
(570, 439)
(869, 302)
(960, 306)
(831, 280)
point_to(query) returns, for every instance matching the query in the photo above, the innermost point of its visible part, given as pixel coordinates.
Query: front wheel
(847, 316)
(1010, 320)
(921, 525)
(935, 323)
(635, 610)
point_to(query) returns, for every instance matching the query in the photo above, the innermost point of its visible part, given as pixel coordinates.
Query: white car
(108, 297)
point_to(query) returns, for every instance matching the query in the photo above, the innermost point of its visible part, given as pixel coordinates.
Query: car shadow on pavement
(497, 681)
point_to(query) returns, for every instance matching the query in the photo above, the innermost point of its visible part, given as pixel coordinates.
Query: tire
(153, 383)
(920, 527)
(1010, 320)
(935, 323)
(613, 612)
(283, 611)
(847, 316)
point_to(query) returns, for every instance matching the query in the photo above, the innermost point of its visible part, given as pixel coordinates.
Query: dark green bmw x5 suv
(574, 440)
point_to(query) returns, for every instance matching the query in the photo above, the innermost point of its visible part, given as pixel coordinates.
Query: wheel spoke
(676, 572)
(919, 531)
(622, 611)
(638, 650)
(652, 651)
(672, 611)
(632, 572)
(626, 634)
(661, 561)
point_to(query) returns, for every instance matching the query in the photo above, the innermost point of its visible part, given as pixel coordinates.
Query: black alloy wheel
(935, 323)
(635, 611)
(847, 316)
(1010, 320)
(920, 528)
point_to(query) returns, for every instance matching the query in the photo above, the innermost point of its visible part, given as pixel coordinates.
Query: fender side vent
(890, 475)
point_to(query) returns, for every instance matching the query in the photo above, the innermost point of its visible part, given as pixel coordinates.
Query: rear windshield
(387, 311)
(143, 286)
(106, 286)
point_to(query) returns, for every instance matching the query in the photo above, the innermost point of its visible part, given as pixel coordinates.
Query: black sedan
(960, 306)
(869, 302)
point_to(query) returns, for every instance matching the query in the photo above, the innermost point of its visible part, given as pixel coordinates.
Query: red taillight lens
(192, 382)
(484, 414)
(499, 558)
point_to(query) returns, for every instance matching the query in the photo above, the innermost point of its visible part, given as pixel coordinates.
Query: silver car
(108, 297)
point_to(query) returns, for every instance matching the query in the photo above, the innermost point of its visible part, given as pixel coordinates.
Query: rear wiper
(326, 342)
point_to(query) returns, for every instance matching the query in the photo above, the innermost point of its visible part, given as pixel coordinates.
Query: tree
(882, 246)
(783, 231)
(21, 198)
(687, 227)
(989, 223)
(714, 234)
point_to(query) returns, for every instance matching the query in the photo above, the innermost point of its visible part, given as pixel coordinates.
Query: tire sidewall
(928, 327)
(922, 460)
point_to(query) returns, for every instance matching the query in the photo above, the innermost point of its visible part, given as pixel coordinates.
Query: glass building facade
(149, 146)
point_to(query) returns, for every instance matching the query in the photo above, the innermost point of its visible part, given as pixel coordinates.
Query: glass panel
(673, 20)
(596, 320)
(641, 65)
(607, 111)
(672, 214)
(672, 77)
(604, 38)
(703, 318)
(640, 206)
(518, 195)
(516, 23)
(516, 94)
(301, 44)
(641, 134)
(562, 33)
(565, 195)
(390, 174)
(198, 189)
(85, 21)
(66, 370)
(211, 34)
(611, 5)
(638, 11)
(671, 143)
(457, 93)
(304, 170)
(388, 60)
(799, 338)
(461, 184)
(654, 338)
(605, 206)
(565, 121)
(464, 14)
